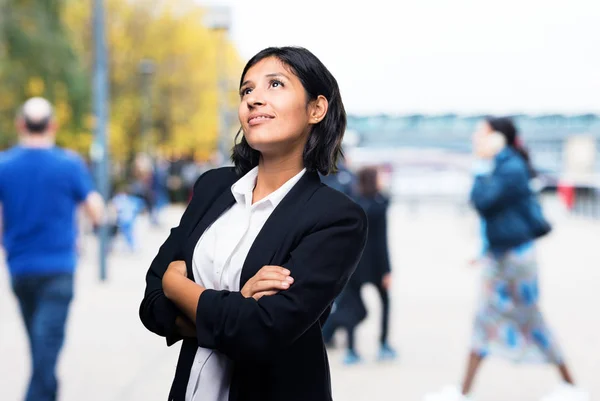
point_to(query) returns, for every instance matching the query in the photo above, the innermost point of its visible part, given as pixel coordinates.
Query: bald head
(36, 116)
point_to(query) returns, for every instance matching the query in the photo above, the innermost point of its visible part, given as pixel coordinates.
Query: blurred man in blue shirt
(41, 187)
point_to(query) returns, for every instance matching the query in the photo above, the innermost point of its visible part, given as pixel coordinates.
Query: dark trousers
(44, 302)
(334, 322)
(385, 313)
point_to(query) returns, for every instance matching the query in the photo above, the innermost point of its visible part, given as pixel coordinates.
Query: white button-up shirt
(217, 264)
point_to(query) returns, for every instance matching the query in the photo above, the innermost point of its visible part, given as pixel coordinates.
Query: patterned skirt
(508, 322)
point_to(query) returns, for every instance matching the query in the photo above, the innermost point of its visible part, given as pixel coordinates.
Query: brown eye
(275, 83)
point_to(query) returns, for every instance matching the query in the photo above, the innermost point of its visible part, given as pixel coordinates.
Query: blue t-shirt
(40, 189)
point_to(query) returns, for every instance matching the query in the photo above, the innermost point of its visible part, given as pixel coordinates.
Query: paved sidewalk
(110, 356)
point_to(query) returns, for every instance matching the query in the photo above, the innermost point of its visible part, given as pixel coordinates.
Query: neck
(37, 141)
(274, 172)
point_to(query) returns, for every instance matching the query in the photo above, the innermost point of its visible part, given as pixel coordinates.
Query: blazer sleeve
(158, 313)
(507, 183)
(321, 264)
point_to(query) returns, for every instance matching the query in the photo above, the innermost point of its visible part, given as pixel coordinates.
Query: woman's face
(483, 129)
(273, 110)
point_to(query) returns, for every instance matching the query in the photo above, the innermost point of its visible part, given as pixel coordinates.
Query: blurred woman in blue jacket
(508, 322)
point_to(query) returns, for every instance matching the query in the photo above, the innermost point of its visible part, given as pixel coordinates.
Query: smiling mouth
(258, 119)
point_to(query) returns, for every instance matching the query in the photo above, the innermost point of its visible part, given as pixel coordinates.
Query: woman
(374, 268)
(508, 322)
(248, 277)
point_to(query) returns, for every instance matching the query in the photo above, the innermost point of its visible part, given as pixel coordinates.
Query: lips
(259, 118)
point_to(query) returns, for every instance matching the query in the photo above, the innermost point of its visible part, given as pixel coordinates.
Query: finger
(268, 276)
(271, 274)
(178, 264)
(279, 269)
(259, 295)
(268, 285)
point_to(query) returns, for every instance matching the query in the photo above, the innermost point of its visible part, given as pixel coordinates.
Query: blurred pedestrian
(125, 208)
(508, 322)
(159, 189)
(373, 268)
(41, 187)
(189, 175)
(143, 182)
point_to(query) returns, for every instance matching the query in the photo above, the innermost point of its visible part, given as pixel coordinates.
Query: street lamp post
(99, 151)
(146, 70)
(218, 19)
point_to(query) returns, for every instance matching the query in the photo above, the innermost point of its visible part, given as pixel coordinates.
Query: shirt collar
(242, 189)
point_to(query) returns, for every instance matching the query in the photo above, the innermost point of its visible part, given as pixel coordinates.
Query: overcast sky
(465, 56)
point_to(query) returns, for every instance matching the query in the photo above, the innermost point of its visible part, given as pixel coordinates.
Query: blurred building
(430, 155)
(544, 135)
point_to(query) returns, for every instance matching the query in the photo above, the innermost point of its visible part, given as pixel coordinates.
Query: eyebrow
(271, 75)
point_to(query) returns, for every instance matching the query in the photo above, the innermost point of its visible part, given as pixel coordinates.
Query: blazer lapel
(220, 205)
(278, 225)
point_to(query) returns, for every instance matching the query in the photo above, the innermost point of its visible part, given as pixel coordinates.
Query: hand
(177, 267)
(268, 281)
(386, 282)
(175, 271)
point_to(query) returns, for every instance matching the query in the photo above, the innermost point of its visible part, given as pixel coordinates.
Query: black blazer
(275, 343)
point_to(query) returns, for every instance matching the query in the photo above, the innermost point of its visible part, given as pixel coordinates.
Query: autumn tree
(184, 95)
(46, 49)
(37, 59)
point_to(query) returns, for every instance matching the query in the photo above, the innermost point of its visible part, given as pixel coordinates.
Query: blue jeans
(44, 303)
(127, 229)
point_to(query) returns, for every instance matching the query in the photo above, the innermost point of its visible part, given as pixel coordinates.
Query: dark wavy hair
(323, 147)
(508, 129)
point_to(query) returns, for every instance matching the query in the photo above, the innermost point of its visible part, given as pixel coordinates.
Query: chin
(260, 140)
(260, 146)
(266, 146)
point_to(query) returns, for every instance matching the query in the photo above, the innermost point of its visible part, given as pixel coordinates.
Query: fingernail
(290, 279)
(285, 284)
(286, 271)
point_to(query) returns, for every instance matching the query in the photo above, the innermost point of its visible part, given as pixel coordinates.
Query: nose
(255, 99)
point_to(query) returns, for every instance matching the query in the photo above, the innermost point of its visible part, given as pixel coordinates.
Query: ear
(20, 125)
(53, 126)
(318, 109)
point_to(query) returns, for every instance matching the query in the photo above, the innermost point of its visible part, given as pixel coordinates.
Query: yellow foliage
(35, 86)
(184, 85)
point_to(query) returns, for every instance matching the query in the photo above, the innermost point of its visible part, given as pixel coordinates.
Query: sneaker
(567, 392)
(351, 358)
(387, 353)
(450, 393)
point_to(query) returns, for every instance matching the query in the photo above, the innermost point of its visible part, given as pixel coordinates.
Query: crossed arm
(269, 313)
(185, 293)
